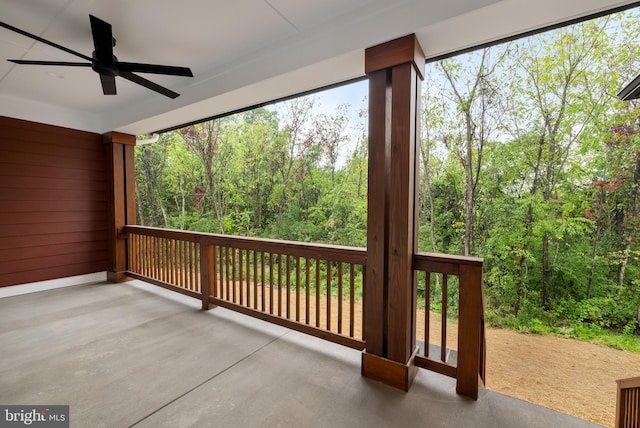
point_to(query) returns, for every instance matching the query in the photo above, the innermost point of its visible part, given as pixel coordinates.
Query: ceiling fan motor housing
(105, 69)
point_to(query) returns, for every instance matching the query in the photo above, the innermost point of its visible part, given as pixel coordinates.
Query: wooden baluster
(132, 253)
(158, 254)
(178, 258)
(352, 298)
(176, 262)
(159, 259)
(162, 260)
(152, 257)
(445, 298)
(288, 278)
(166, 260)
(169, 260)
(240, 276)
(306, 289)
(340, 297)
(317, 292)
(255, 279)
(185, 265)
(279, 272)
(145, 255)
(195, 265)
(223, 270)
(427, 312)
(214, 261)
(199, 255)
(248, 272)
(271, 283)
(233, 274)
(141, 254)
(175, 250)
(227, 266)
(262, 271)
(191, 263)
(224, 284)
(329, 263)
(297, 260)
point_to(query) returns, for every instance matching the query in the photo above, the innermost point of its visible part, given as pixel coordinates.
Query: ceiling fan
(104, 62)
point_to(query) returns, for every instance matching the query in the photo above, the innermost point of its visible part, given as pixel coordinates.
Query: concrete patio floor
(132, 354)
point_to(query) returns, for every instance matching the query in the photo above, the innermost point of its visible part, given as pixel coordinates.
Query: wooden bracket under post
(121, 202)
(389, 372)
(395, 71)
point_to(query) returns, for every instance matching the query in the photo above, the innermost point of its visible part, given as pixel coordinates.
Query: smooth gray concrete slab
(135, 355)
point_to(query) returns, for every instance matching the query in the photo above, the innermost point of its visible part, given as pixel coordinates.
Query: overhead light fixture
(631, 91)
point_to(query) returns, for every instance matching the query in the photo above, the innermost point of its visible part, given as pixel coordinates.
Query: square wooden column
(122, 208)
(395, 70)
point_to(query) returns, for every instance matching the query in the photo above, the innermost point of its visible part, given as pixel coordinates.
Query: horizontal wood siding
(53, 202)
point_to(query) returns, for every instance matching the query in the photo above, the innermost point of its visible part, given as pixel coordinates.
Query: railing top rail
(330, 252)
(633, 382)
(183, 235)
(358, 255)
(447, 258)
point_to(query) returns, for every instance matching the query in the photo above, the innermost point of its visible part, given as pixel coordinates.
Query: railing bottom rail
(166, 285)
(293, 325)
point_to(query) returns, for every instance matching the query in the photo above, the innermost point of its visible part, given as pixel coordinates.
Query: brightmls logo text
(34, 416)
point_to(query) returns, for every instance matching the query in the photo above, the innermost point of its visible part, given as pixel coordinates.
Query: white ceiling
(242, 52)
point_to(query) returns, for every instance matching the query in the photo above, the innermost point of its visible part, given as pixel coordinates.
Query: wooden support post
(122, 208)
(470, 326)
(207, 273)
(395, 71)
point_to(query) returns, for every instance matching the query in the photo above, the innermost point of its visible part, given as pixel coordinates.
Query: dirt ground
(572, 377)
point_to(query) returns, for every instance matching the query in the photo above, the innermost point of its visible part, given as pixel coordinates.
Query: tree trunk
(546, 272)
(426, 156)
(140, 207)
(594, 255)
(468, 197)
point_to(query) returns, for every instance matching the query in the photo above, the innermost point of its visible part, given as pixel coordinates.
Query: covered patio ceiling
(242, 52)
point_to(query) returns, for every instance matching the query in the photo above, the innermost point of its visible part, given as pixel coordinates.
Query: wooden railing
(451, 342)
(311, 288)
(315, 289)
(168, 258)
(628, 403)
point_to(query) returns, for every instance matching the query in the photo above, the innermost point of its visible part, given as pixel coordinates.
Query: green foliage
(526, 160)
(606, 312)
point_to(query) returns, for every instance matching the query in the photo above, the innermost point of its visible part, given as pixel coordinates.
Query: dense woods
(527, 160)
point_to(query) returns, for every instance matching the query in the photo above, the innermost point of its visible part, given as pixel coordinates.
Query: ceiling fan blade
(45, 41)
(155, 69)
(102, 40)
(148, 84)
(69, 64)
(108, 84)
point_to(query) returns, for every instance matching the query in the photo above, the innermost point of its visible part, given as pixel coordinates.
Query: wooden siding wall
(53, 202)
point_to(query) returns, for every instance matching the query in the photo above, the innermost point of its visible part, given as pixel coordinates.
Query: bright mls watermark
(34, 416)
